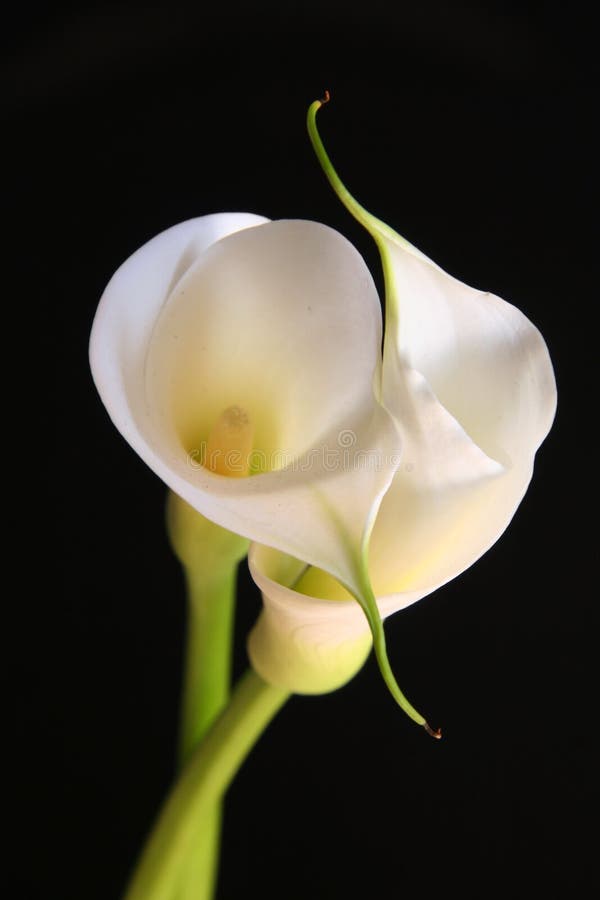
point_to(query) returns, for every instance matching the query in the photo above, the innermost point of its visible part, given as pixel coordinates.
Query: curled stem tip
(437, 734)
(314, 107)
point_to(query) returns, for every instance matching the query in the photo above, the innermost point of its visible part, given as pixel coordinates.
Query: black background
(467, 128)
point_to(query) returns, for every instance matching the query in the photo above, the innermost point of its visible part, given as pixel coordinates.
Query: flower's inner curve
(314, 582)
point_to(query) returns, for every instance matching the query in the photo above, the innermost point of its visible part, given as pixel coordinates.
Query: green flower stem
(211, 604)
(381, 233)
(198, 878)
(206, 776)
(210, 556)
(374, 226)
(207, 678)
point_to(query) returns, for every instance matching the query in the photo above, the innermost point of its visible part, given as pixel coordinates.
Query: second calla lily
(469, 383)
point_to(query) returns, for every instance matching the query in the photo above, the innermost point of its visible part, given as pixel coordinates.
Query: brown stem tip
(434, 734)
(326, 98)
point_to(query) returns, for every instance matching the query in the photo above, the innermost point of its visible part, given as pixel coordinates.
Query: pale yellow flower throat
(230, 442)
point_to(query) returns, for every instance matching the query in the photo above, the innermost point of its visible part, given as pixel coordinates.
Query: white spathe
(283, 320)
(469, 381)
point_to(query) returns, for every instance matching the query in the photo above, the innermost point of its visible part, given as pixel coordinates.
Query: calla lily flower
(236, 334)
(469, 382)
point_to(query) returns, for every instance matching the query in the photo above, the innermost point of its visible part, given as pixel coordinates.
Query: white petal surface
(484, 360)
(442, 474)
(130, 306)
(282, 319)
(471, 417)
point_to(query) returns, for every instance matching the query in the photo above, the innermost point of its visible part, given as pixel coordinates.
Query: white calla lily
(281, 323)
(469, 381)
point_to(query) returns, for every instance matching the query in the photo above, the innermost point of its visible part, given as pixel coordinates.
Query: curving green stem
(374, 226)
(201, 784)
(379, 231)
(381, 234)
(368, 603)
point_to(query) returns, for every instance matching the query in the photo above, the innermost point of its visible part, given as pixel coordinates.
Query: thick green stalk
(207, 678)
(198, 877)
(210, 556)
(206, 776)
